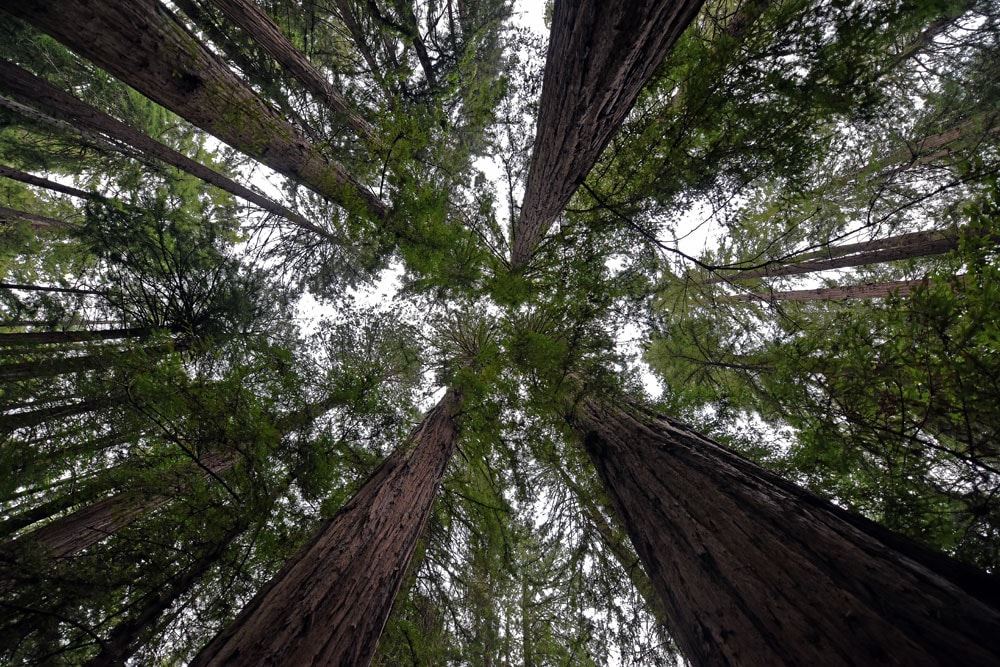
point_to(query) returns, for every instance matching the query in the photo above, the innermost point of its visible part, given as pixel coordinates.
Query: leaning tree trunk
(65, 337)
(141, 43)
(329, 604)
(257, 24)
(31, 90)
(868, 291)
(31, 179)
(895, 248)
(71, 534)
(36, 222)
(753, 570)
(601, 53)
(126, 637)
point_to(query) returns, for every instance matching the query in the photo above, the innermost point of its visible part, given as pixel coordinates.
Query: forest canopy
(396, 332)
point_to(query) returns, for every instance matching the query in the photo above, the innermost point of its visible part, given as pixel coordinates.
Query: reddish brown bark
(34, 91)
(329, 604)
(266, 33)
(753, 570)
(601, 53)
(142, 43)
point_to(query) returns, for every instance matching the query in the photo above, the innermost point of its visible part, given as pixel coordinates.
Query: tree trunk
(869, 291)
(601, 53)
(266, 33)
(141, 43)
(329, 604)
(36, 222)
(69, 535)
(31, 418)
(35, 91)
(126, 637)
(45, 288)
(65, 337)
(895, 248)
(30, 179)
(753, 570)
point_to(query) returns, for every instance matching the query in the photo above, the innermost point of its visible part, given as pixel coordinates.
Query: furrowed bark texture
(256, 23)
(601, 53)
(33, 91)
(141, 43)
(329, 604)
(753, 570)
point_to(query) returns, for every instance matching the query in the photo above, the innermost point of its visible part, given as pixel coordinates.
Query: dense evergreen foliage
(223, 312)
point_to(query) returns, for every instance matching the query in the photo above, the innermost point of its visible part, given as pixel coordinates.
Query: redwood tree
(753, 570)
(329, 603)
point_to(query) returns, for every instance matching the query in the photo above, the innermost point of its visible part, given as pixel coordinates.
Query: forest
(397, 332)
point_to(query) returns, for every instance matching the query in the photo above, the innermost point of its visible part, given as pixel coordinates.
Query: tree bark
(30, 418)
(32, 90)
(266, 33)
(869, 291)
(36, 222)
(30, 179)
(329, 604)
(126, 637)
(895, 248)
(601, 53)
(753, 570)
(46, 288)
(71, 534)
(141, 43)
(65, 337)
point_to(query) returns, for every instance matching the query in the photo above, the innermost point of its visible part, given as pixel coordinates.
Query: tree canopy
(521, 348)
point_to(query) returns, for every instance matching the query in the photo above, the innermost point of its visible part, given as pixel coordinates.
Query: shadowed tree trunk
(30, 179)
(869, 291)
(38, 222)
(753, 570)
(258, 25)
(30, 418)
(328, 605)
(32, 90)
(601, 53)
(46, 288)
(71, 534)
(65, 337)
(126, 637)
(141, 43)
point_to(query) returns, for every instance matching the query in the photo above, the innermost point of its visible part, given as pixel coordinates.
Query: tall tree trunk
(32, 90)
(266, 33)
(9, 422)
(37, 222)
(46, 288)
(65, 337)
(753, 570)
(329, 604)
(141, 43)
(30, 179)
(126, 637)
(869, 291)
(69, 535)
(601, 53)
(904, 246)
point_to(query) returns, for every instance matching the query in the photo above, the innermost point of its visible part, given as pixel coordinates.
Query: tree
(703, 518)
(808, 135)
